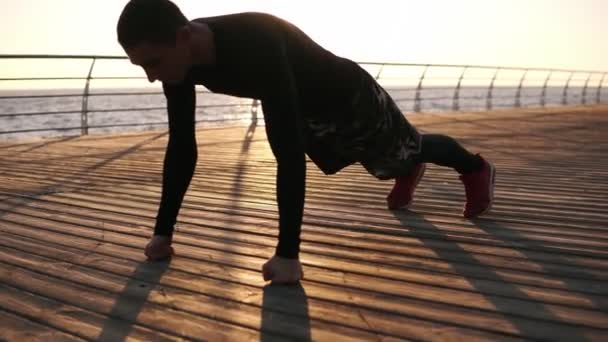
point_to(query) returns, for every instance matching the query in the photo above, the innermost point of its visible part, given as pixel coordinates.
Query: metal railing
(414, 78)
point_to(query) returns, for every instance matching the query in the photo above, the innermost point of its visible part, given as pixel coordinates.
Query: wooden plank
(364, 266)
(575, 217)
(563, 212)
(231, 237)
(17, 328)
(139, 197)
(379, 218)
(65, 320)
(127, 308)
(268, 183)
(344, 293)
(551, 178)
(546, 258)
(358, 256)
(245, 305)
(418, 264)
(154, 200)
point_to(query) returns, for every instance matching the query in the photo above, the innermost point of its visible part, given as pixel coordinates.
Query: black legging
(445, 151)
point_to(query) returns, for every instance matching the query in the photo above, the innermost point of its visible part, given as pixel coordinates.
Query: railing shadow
(502, 302)
(59, 186)
(527, 245)
(134, 296)
(39, 145)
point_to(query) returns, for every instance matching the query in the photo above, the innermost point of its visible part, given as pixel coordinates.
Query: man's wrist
(163, 228)
(287, 252)
(164, 238)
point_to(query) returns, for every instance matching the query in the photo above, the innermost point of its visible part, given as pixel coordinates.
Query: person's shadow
(131, 300)
(285, 306)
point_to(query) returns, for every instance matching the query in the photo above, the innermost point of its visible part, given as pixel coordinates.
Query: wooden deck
(75, 214)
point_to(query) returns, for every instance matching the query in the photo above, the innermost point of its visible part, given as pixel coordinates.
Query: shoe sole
(491, 190)
(418, 179)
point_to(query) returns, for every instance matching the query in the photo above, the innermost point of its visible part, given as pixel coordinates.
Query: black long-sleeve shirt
(262, 57)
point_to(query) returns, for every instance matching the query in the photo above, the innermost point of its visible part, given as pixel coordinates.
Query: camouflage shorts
(373, 132)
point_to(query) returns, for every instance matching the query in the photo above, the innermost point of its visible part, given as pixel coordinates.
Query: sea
(42, 113)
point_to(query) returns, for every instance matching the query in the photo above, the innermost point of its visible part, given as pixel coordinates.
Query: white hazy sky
(535, 33)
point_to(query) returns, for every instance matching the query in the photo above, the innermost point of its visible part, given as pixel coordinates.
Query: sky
(532, 33)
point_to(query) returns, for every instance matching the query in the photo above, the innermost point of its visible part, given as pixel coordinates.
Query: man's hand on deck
(159, 248)
(281, 270)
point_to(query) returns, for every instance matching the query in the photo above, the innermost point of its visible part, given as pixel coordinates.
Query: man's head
(156, 35)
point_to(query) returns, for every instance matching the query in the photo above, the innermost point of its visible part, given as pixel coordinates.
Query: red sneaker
(479, 188)
(403, 192)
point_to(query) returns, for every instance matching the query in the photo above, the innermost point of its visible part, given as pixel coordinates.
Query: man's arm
(180, 157)
(284, 129)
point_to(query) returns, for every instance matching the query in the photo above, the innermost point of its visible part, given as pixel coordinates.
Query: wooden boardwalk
(75, 214)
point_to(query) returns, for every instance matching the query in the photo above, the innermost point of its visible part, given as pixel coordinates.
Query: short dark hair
(149, 21)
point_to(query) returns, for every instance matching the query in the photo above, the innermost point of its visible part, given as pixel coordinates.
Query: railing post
(518, 93)
(584, 95)
(456, 103)
(84, 116)
(418, 100)
(598, 94)
(565, 94)
(543, 94)
(490, 89)
(254, 111)
(379, 72)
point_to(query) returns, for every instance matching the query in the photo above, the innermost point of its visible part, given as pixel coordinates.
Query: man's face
(163, 62)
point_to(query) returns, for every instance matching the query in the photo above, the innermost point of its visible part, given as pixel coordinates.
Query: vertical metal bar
(518, 93)
(565, 94)
(379, 72)
(456, 103)
(254, 111)
(598, 94)
(543, 95)
(490, 89)
(84, 116)
(418, 100)
(584, 95)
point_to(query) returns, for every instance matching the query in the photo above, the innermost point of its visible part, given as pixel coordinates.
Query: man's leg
(446, 151)
(477, 174)
(437, 149)
(388, 146)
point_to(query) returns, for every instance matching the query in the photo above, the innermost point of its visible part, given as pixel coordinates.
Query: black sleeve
(181, 154)
(285, 135)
